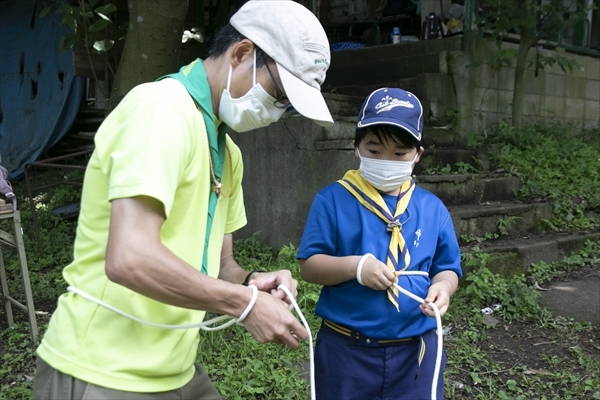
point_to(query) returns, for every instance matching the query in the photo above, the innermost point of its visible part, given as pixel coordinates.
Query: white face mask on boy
(256, 109)
(385, 175)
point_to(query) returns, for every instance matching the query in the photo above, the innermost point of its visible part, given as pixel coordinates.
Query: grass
(526, 354)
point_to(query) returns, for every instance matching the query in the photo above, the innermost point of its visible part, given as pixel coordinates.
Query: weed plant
(558, 163)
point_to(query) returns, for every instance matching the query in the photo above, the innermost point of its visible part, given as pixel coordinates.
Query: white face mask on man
(256, 109)
(385, 175)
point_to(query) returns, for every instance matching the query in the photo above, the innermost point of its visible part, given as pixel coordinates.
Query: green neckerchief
(193, 77)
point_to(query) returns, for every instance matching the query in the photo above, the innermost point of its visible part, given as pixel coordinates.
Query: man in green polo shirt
(162, 196)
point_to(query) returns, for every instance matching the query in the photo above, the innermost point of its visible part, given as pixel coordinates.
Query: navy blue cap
(393, 106)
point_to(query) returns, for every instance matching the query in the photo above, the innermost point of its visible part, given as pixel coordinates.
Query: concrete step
(515, 255)
(441, 136)
(512, 219)
(353, 89)
(435, 139)
(434, 90)
(436, 158)
(473, 189)
(343, 104)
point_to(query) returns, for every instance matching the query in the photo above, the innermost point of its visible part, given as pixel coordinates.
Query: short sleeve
(447, 253)
(147, 142)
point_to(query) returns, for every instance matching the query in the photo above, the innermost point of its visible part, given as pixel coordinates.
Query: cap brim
(389, 121)
(305, 99)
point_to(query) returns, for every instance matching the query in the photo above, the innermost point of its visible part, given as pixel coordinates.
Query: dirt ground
(542, 349)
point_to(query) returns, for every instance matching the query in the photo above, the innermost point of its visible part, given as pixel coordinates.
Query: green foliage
(15, 363)
(543, 272)
(459, 168)
(240, 367)
(557, 163)
(470, 239)
(453, 116)
(545, 20)
(473, 373)
(92, 23)
(504, 224)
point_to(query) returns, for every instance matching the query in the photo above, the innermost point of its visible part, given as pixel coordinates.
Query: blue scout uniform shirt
(338, 225)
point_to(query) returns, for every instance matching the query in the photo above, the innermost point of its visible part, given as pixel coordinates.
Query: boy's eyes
(378, 152)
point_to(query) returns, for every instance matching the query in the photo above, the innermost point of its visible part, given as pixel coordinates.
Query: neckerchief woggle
(193, 77)
(369, 197)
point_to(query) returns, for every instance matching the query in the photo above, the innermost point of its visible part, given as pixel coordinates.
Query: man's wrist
(249, 276)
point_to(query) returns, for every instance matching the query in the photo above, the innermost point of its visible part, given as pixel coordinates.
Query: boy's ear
(419, 154)
(356, 153)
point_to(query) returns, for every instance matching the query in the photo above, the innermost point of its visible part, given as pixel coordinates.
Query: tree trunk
(527, 40)
(152, 46)
(518, 89)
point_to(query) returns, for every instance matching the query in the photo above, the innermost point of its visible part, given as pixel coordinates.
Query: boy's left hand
(438, 294)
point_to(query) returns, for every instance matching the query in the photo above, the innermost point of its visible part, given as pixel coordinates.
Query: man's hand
(271, 321)
(376, 274)
(270, 281)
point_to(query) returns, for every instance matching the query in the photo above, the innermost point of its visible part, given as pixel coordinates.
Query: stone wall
(485, 96)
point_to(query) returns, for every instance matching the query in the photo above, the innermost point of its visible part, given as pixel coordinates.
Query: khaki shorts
(52, 384)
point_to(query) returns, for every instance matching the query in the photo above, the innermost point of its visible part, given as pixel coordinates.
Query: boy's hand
(376, 275)
(438, 294)
(443, 285)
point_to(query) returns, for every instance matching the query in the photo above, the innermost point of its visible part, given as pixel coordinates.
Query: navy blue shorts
(347, 368)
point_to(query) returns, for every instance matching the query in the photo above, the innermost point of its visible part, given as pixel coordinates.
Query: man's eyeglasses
(281, 101)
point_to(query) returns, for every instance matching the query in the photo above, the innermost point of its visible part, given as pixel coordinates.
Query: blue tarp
(39, 95)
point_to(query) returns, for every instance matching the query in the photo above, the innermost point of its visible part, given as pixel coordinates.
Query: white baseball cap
(295, 39)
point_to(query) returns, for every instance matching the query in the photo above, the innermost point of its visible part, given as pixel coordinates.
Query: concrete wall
(285, 165)
(485, 96)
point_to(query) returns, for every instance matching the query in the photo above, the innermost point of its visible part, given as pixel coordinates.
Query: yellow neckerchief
(369, 197)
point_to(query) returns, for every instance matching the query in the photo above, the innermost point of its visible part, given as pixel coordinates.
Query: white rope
(359, 267)
(313, 394)
(206, 325)
(440, 333)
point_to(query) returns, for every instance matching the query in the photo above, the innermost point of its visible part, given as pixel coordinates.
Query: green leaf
(44, 12)
(71, 22)
(102, 46)
(87, 14)
(67, 9)
(67, 43)
(106, 9)
(98, 25)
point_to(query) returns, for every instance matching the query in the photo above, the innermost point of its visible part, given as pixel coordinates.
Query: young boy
(362, 233)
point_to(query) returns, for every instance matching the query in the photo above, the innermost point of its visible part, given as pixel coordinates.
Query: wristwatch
(245, 283)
